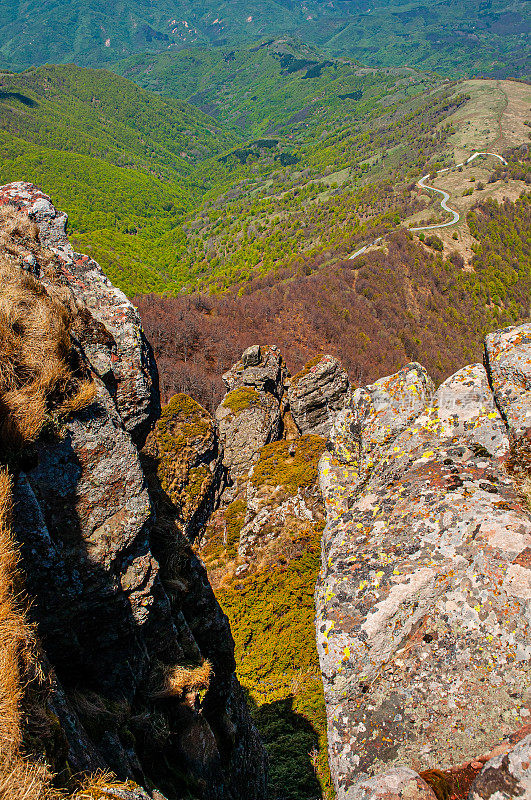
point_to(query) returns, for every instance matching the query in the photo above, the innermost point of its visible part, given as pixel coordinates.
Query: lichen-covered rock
(121, 603)
(508, 357)
(248, 420)
(184, 444)
(117, 349)
(317, 393)
(399, 783)
(260, 367)
(423, 623)
(507, 776)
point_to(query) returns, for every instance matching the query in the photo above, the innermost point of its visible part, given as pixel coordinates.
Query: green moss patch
(271, 615)
(234, 520)
(241, 399)
(182, 421)
(276, 467)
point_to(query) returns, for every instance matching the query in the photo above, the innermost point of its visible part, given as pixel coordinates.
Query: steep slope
(133, 668)
(118, 159)
(261, 90)
(464, 36)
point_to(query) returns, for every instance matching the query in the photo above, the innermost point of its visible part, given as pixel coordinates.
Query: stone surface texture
(424, 598)
(505, 776)
(250, 414)
(399, 783)
(189, 461)
(317, 394)
(118, 596)
(116, 349)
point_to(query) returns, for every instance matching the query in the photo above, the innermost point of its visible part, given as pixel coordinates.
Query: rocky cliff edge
(424, 598)
(135, 656)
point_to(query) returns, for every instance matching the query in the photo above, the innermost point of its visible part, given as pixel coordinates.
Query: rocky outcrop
(317, 393)
(423, 603)
(187, 461)
(112, 339)
(250, 414)
(139, 652)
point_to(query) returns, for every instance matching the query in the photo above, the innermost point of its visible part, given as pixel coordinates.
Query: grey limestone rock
(317, 394)
(247, 421)
(262, 368)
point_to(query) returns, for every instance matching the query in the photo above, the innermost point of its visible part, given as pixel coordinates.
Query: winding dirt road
(444, 202)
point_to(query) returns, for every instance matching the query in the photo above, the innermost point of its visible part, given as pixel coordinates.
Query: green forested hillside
(279, 87)
(119, 159)
(166, 197)
(458, 38)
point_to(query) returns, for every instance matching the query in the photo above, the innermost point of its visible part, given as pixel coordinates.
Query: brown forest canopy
(403, 303)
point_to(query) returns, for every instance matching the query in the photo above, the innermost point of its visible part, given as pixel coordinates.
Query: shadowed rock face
(505, 776)
(119, 597)
(423, 602)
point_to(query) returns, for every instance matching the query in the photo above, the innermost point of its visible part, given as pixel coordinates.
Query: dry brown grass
(19, 779)
(182, 680)
(39, 375)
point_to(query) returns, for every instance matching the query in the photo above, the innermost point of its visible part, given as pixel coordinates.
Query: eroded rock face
(263, 368)
(247, 421)
(116, 349)
(317, 394)
(121, 602)
(423, 622)
(506, 776)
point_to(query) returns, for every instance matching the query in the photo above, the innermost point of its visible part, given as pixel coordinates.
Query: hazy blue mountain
(489, 37)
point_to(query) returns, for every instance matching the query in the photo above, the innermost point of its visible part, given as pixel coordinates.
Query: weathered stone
(124, 359)
(399, 783)
(247, 421)
(317, 393)
(508, 358)
(118, 597)
(260, 367)
(506, 776)
(252, 356)
(189, 462)
(422, 620)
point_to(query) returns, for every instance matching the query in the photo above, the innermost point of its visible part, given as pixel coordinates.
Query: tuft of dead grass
(183, 680)
(39, 371)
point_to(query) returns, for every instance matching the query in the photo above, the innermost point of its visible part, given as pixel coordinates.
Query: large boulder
(262, 368)
(423, 601)
(317, 393)
(251, 413)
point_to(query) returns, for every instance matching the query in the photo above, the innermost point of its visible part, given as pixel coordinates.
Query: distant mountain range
(470, 38)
